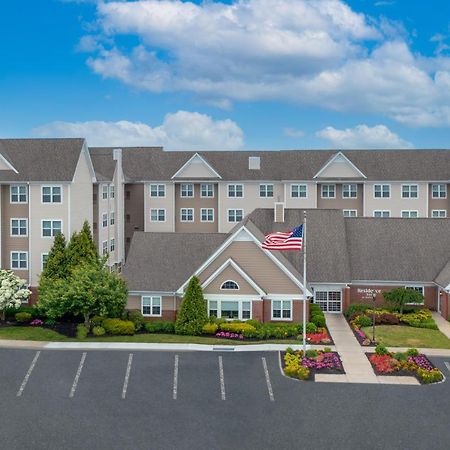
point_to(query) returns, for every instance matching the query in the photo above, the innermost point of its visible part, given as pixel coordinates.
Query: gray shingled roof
(443, 278)
(152, 163)
(103, 162)
(162, 262)
(398, 249)
(40, 159)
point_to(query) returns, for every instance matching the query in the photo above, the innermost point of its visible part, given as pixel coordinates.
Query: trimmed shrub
(381, 350)
(387, 319)
(429, 376)
(118, 326)
(327, 350)
(311, 353)
(98, 331)
(97, 321)
(256, 323)
(310, 327)
(363, 321)
(160, 326)
(319, 321)
(356, 307)
(137, 318)
(399, 356)
(23, 317)
(237, 327)
(82, 331)
(210, 328)
(412, 352)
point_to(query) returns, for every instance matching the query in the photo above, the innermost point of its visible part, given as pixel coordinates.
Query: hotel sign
(367, 293)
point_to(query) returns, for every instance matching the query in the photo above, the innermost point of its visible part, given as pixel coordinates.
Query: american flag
(293, 240)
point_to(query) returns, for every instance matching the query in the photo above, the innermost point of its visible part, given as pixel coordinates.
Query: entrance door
(329, 301)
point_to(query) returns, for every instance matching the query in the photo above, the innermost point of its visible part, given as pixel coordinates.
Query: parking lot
(54, 399)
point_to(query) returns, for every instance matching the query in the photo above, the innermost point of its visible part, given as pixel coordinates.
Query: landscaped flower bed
(410, 363)
(304, 366)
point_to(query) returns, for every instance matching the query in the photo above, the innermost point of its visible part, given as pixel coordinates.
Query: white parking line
(77, 376)
(447, 365)
(269, 384)
(175, 378)
(127, 376)
(222, 379)
(27, 376)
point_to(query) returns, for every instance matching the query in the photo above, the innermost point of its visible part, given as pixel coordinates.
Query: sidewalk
(443, 325)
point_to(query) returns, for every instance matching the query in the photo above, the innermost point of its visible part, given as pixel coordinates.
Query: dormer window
(229, 284)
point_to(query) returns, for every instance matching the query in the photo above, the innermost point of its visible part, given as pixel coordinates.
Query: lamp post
(374, 298)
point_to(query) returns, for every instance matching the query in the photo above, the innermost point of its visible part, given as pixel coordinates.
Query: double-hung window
(349, 190)
(157, 190)
(439, 213)
(50, 228)
(207, 214)
(112, 218)
(112, 245)
(410, 191)
(350, 213)
(206, 190)
(299, 191)
(51, 194)
(381, 190)
(187, 190)
(18, 194)
(235, 190)
(19, 260)
(410, 214)
(281, 309)
(112, 192)
(328, 191)
(104, 220)
(157, 215)
(44, 259)
(380, 213)
(439, 190)
(235, 215)
(105, 248)
(266, 190)
(187, 214)
(19, 227)
(230, 309)
(104, 191)
(151, 306)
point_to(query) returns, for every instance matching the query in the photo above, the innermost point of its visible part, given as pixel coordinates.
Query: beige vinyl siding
(166, 203)
(300, 202)
(257, 265)
(338, 202)
(229, 273)
(438, 203)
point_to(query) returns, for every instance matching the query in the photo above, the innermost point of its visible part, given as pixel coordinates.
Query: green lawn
(43, 334)
(402, 336)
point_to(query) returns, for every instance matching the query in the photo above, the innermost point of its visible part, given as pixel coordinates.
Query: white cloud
(312, 53)
(182, 130)
(292, 132)
(363, 136)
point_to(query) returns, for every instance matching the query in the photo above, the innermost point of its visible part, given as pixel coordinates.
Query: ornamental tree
(56, 266)
(399, 297)
(193, 314)
(12, 291)
(81, 248)
(91, 289)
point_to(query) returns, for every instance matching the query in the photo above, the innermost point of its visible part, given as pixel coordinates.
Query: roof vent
(254, 163)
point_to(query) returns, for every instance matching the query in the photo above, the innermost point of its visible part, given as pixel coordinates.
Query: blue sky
(255, 74)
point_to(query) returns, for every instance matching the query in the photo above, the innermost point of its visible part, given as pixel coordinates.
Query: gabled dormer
(196, 167)
(339, 166)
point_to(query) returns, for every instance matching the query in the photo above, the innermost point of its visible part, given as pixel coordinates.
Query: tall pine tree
(56, 266)
(82, 248)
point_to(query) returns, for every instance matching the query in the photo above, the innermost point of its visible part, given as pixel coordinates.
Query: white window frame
(52, 187)
(409, 186)
(157, 188)
(417, 287)
(382, 211)
(234, 209)
(18, 252)
(112, 191)
(184, 189)
(298, 186)
(112, 217)
(158, 210)
(152, 297)
(284, 319)
(105, 248)
(42, 260)
(228, 289)
(328, 186)
(264, 189)
(105, 189)
(438, 213)
(231, 189)
(201, 215)
(112, 245)
(105, 220)
(18, 227)
(406, 213)
(207, 188)
(381, 185)
(350, 212)
(441, 187)
(240, 303)
(349, 191)
(18, 186)
(51, 228)
(187, 220)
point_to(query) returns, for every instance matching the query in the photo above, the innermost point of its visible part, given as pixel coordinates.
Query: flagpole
(304, 281)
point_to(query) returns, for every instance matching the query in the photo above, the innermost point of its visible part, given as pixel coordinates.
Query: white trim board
(190, 160)
(332, 159)
(7, 163)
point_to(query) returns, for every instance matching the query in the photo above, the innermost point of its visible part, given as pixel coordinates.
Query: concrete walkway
(443, 325)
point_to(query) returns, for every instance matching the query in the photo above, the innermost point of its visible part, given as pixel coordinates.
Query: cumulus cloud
(292, 132)
(318, 53)
(363, 136)
(182, 130)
